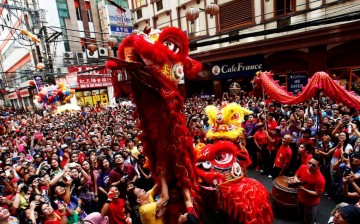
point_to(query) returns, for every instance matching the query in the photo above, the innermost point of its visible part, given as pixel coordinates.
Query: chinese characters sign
(90, 77)
(94, 82)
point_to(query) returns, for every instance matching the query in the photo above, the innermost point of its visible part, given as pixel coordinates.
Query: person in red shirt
(272, 147)
(115, 208)
(121, 173)
(54, 216)
(311, 188)
(306, 138)
(260, 140)
(283, 157)
(272, 124)
(304, 153)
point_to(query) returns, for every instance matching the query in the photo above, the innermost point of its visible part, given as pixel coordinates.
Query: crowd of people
(87, 166)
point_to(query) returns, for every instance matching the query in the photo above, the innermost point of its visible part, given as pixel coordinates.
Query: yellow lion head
(226, 121)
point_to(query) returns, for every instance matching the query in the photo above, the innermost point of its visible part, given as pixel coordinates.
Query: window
(285, 6)
(236, 14)
(62, 9)
(159, 5)
(139, 14)
(65, 37)
(232, 34)
(139, 3)
(78, 14)
(89, 16)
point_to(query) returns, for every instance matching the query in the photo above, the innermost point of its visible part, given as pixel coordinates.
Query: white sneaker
(269, 176)
(261, 171)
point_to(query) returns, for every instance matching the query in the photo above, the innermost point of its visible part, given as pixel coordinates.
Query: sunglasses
(312, 164)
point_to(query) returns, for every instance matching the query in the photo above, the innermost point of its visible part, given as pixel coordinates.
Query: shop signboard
(116, 16)
(69, 80)
(296, 82)
(18, 94)
(237, 67)
(112, 18)
(94, 82)
(90, 77)
(120, 31)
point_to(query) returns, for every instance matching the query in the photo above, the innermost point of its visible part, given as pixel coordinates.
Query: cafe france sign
(238, 67)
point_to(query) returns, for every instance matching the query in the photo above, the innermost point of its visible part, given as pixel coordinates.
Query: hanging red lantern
(112, 42)
(212, 9)
(92, 47)
(192, 14)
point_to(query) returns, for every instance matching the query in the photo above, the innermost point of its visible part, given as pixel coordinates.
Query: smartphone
(67, 177)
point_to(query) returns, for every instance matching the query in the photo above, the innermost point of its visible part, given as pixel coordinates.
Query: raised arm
(164, 196)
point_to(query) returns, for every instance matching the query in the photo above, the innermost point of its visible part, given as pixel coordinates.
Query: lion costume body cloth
(155, 63)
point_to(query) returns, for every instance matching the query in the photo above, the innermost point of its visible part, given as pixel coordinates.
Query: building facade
(292, 38)
(65, 29)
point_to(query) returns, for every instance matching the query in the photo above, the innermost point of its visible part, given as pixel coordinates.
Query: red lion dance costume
(155, 62)
(222, 167)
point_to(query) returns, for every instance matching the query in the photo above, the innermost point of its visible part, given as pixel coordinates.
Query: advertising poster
(80, 101)
(39, 82)
(296, 82)
(104, 99)
(96, 99)
(88, 100)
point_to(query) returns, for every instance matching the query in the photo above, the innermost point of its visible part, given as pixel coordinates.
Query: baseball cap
(350, 213)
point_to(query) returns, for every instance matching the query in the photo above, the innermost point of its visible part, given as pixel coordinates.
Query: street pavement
(281, 217)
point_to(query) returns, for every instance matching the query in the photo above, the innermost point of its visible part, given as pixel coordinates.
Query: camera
(126, 177)
(344, 170)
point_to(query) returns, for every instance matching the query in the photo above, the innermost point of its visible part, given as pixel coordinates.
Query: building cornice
(333, 34)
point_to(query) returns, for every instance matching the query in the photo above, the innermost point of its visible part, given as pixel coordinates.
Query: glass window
(78, 14)
(285, 6)
(62, 9)
(159, 5)
(139, 14)
(139, 3)
(89, 16)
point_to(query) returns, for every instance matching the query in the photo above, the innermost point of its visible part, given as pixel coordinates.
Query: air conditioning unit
(90, 54)
(68, 55)
(103, 52)
(80, 57)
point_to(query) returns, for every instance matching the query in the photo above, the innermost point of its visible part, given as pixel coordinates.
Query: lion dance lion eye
(223, 158)
(235, 117)
(171, 46)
